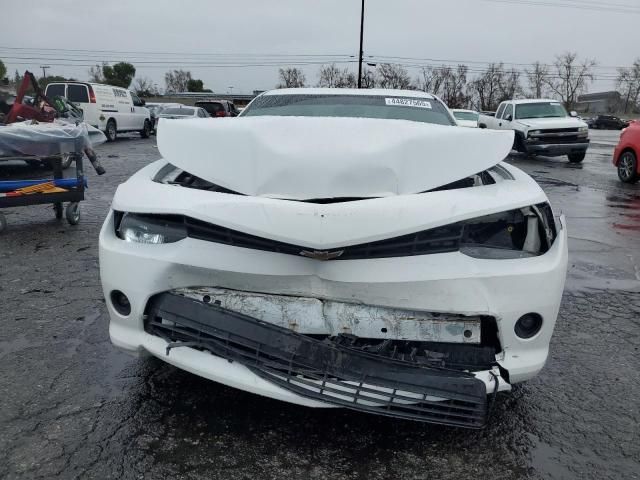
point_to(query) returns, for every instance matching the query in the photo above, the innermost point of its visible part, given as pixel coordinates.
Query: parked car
(627, 153)
(360, 251)
(111, 109)
(541, 127)
(218, 108)
(608, 122)
(156, 108)
(183, 112)
(466, 118)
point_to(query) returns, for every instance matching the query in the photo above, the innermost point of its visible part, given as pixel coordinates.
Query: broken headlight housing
(521, 233)
(150, 229)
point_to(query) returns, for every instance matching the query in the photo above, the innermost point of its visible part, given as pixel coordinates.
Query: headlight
(153, 229)
(526, 232)
(535, 132)
(583, 129)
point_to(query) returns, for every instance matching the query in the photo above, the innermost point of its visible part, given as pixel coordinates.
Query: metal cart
(75, 187)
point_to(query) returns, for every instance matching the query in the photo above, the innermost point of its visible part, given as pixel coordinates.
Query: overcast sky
(450, 30)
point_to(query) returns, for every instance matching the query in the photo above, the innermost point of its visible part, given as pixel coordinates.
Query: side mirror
(509, 118)
(482, 125)
(573, 113)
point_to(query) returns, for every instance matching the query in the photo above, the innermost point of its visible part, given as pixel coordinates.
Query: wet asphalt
(72, 406)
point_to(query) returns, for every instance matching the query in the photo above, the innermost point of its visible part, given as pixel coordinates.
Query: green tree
(119, 75)
(195, 85)
(43, 82)
(17, 80)
(3, 70)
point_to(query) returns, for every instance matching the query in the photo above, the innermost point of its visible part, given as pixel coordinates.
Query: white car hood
(543, 123)
(317, 157)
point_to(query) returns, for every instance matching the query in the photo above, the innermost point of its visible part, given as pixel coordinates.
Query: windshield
(178, 111)
(472, 116)
(540, 110)
(358, 106)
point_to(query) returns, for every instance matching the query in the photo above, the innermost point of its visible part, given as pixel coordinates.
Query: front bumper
(325, 370)
(556, 149)
(447, 283)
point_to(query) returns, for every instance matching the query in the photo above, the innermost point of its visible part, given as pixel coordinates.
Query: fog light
(528, 325)
(120, 302)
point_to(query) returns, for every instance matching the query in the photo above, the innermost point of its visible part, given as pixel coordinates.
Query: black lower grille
(560, 140)
(321, 369)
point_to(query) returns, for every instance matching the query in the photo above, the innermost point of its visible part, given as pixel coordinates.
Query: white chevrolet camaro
(338, 248)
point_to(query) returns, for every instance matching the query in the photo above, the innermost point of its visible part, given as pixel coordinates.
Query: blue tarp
(62, 183)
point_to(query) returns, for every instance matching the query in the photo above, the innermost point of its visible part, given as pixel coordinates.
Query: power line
(437, 62)
(220, 65)
(210, 54)
(573, 4)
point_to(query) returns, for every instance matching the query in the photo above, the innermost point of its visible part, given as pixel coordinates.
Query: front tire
(111, 131)
(628, 167)
(146, 130)
(577, 157)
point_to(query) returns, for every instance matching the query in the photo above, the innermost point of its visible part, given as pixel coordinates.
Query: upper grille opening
(172, 175)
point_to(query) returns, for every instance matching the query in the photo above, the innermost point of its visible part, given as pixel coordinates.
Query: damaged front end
(404, 379)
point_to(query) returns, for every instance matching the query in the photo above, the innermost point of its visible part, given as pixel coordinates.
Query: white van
(111, 109)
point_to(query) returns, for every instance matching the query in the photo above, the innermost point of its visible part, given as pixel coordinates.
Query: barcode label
(408, 102)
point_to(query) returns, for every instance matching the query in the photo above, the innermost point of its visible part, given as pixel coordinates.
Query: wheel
(57, 208)
(66, 161)
(146, 130)
(577, 157)
(73, 213)
(111, 132)
(628, 167)
(3, 223)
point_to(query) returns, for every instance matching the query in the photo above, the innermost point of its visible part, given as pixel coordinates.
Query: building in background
(600, 103)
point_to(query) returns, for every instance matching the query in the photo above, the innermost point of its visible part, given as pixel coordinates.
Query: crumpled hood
(543, 123)
(318, 157)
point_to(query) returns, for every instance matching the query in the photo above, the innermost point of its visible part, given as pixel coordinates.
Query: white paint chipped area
(325, 317)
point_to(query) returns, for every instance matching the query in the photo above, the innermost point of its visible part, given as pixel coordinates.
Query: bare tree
(538, 79)
(332, 77)
(628, 82)
(487, 90)
(369, 79)
(144, 87)
(454, 87)
(510, 87)
(329, 76)
(95, 74)
(570, 78)
(432, 79)
(393, 76)
(177, 81)
(291, 78)
(348, 79)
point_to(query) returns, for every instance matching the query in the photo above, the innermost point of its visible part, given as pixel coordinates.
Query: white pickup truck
(542, 127)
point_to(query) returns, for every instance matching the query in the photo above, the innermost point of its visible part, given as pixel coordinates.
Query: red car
(627, 153)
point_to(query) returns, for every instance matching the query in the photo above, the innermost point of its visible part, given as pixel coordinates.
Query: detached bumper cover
(322, 370)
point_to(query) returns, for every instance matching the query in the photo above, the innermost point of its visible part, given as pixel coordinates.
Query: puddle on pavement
(627, 206)
(604, 240)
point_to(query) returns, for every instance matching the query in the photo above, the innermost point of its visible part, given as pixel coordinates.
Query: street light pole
(361, 36)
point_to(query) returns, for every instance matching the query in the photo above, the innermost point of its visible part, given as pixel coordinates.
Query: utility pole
(44, 71)
(361, 36)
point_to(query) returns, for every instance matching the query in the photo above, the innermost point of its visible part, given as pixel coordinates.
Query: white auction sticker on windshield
(408, 102)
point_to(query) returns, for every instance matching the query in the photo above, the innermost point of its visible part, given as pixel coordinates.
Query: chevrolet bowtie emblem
(321, 254)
